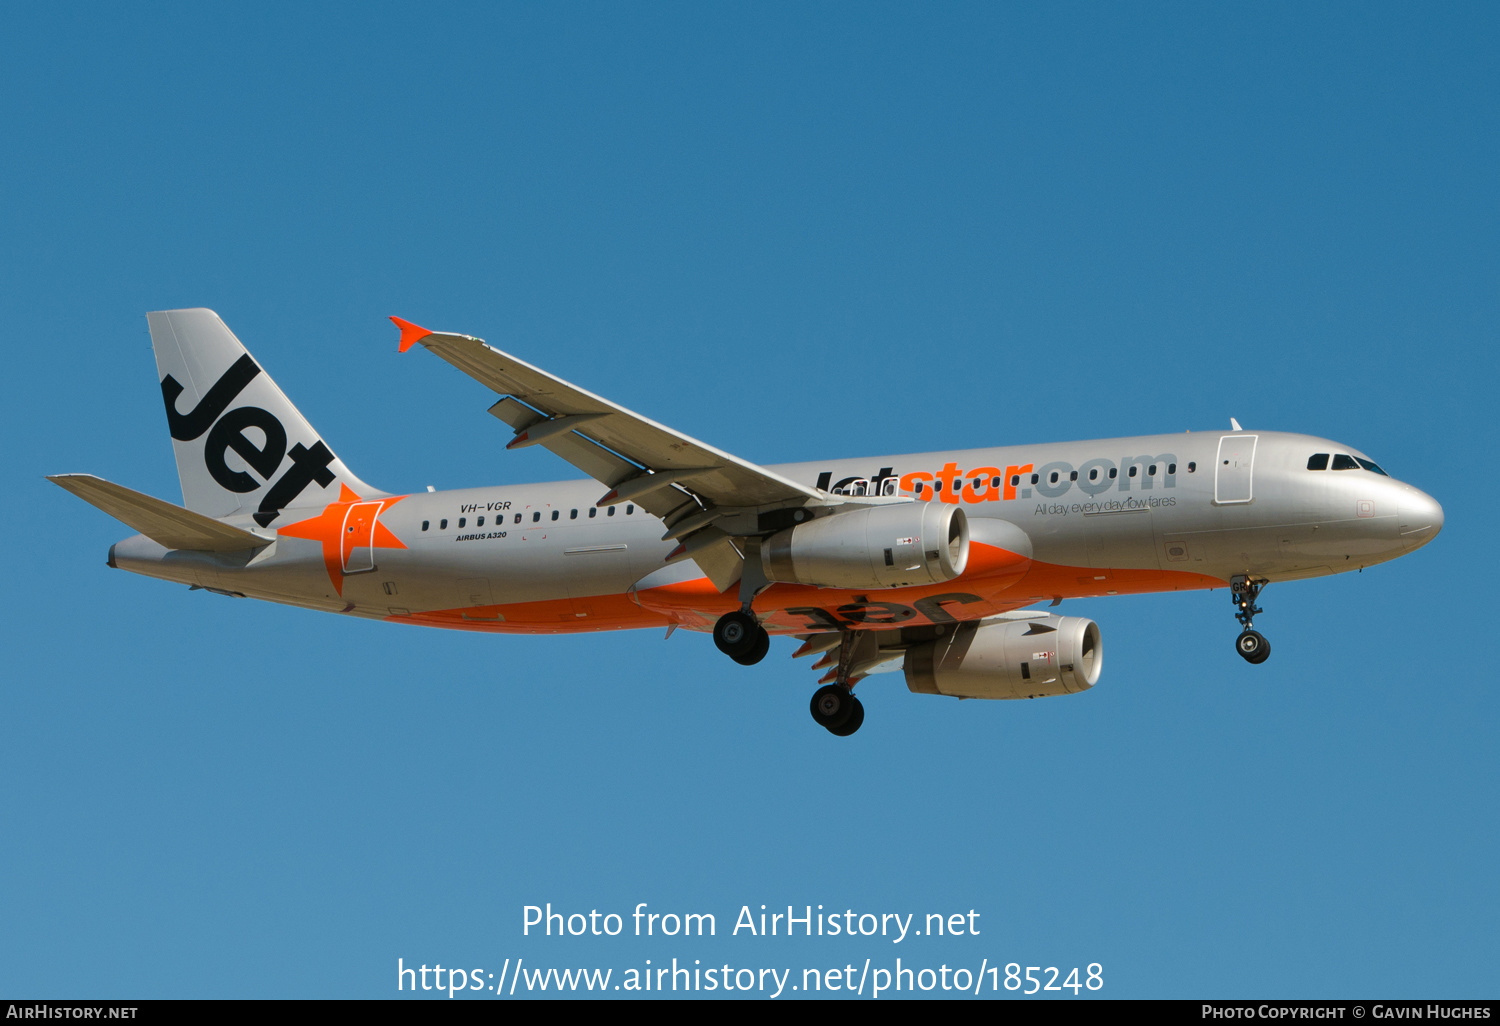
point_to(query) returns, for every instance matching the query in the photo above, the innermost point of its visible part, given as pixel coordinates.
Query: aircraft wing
(640, 460)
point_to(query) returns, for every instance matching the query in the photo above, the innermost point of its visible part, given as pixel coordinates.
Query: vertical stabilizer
(241, 446)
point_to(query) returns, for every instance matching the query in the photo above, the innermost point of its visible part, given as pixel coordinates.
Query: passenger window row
(1053, 478)
(1114, 472)
(536, 517)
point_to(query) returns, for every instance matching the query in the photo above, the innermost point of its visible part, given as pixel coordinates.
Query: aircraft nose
(1421, 518)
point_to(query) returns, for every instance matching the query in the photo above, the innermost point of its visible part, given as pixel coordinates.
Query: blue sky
(796, 232)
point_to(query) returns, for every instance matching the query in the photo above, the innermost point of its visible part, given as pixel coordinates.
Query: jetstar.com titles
(1016, 481)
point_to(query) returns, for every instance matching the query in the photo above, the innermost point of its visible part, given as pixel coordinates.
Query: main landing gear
(834, 706)
(740, 636)
(1251, 644)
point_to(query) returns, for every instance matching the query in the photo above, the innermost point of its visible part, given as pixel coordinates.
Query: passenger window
(442, 525)
(1370, 466)
(1192, 467)
(518, 518)
(1342, 462)
(1113, 473)
(610, 511)
(1151, 470)
(536, 516)
(1036, 478)
(629, 510)
(1171, 468)
(462, 521)
(556, 513)
(995, 483)
(1015, 479)
(424, 525)
(1133, 469)
(1094, 474)
(938, 486)
(1317, 461)
(1073, 476)
(1053, 479)
(593, 512)
(573, 515)
(479, 522)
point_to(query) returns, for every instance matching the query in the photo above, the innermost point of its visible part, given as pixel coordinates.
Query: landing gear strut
(1251, 644)
(739, 634)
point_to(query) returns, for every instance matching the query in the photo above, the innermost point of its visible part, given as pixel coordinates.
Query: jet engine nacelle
(1044, 655)
(895, 546)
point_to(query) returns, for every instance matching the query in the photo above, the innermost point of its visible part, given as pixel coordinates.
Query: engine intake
(1030, 658)
(894, 546)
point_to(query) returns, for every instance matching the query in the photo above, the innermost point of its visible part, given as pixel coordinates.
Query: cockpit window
(1317, 461)
(1371, 466)
(1342, 462)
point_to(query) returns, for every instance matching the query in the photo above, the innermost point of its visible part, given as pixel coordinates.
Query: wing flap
(611, 469)
(517, 414)
(590, 457)
(161, 521)
(717, 556)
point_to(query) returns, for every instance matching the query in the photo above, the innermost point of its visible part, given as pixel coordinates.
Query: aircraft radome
(929, 562)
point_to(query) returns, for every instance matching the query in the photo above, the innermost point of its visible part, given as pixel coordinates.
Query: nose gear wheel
(1253, 646)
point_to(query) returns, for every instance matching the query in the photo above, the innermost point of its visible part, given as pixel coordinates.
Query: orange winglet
(411, 334)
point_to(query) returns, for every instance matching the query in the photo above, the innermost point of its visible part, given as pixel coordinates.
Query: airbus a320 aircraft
(925, 562)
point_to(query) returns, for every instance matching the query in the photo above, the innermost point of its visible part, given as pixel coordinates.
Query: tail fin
(241, 445)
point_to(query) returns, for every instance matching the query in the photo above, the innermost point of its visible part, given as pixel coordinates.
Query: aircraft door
(359, 537)
(1234, 470)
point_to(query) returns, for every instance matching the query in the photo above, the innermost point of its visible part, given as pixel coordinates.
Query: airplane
(931, 564)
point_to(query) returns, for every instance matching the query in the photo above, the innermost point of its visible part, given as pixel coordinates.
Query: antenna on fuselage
(1235, 424)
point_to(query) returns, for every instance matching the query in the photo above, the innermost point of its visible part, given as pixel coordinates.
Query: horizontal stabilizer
(162, 522)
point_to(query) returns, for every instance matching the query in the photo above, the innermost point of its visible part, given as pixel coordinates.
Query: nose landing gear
(1251, 644)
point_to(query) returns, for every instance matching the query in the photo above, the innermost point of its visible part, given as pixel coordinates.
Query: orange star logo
(351, 531)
